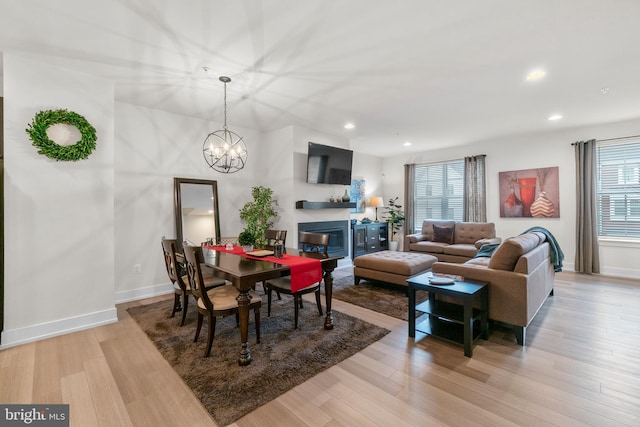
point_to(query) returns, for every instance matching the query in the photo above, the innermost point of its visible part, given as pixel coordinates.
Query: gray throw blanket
(556, 253)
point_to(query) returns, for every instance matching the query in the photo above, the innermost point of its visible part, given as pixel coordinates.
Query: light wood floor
(581, 367)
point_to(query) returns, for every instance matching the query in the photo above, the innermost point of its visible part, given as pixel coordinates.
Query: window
(439, 191)
(618, 188)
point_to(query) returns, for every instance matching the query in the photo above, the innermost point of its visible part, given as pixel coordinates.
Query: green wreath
(37, 131)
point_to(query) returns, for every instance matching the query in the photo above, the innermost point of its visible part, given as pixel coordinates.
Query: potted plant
(258, 214)
(395, 218)
(246, 240)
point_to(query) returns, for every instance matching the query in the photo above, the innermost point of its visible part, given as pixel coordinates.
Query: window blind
(439, 191)
(618, 188)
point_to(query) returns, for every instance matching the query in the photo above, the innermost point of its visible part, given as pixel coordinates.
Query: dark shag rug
(284, 358)
(381, 297)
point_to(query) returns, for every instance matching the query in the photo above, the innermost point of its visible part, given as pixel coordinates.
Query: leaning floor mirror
(196, 211)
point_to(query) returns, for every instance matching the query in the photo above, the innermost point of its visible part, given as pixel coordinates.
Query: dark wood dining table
(244, 273)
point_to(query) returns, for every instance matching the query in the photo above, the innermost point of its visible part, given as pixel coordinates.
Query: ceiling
(433, 72)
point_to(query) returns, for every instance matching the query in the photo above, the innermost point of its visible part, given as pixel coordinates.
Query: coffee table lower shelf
(459, 321)
(446, 322)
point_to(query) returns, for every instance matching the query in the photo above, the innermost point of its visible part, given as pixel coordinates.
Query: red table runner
(304, 271)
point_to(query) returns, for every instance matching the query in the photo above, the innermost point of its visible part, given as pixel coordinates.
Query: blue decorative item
(357, 195)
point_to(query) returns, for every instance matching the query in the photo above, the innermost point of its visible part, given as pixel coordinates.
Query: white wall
(58, 217)
(527, 152)
(153, 147)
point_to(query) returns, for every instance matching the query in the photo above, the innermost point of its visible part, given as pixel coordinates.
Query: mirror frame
(177, 199)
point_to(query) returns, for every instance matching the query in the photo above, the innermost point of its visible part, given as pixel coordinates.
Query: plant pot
(247, 248)
(393, 245)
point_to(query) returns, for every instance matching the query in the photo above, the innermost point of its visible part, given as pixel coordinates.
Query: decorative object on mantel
(395, 218)
(345, 196)
(37, 131)
(357, 195)
(376, 202)
(258, 214)
(224, 150)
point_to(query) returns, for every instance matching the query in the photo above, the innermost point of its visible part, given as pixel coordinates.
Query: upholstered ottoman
(391, 266)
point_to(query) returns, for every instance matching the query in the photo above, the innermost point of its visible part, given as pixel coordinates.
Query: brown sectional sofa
(451, 241)
(520, 276)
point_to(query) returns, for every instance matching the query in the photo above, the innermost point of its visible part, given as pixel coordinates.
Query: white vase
(393, 245)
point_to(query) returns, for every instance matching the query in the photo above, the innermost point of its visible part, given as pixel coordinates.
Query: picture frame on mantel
(357, 195)
(530, 193)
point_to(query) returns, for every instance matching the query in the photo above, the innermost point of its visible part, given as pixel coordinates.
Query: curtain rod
(614, 139)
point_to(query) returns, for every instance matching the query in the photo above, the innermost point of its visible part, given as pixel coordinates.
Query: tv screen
(328, 165)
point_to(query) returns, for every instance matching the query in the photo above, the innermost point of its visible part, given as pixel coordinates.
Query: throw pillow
(443, 234)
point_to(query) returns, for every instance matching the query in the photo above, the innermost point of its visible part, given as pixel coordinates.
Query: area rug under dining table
(284, 358)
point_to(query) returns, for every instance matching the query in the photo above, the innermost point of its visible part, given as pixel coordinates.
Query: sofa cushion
(471, 232)
(465, 250)
(426, 246)
(482, 261)
(507, 254)
(442, 234)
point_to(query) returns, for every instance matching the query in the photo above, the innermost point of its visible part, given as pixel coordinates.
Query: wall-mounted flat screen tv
(328, 165)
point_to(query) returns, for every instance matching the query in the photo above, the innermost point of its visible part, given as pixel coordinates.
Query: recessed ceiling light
(407, 144)
(604, 90)
(349, 126)
(536, 75)
(555, 117)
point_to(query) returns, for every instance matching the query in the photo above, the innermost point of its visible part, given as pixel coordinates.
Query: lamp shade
(376, 202)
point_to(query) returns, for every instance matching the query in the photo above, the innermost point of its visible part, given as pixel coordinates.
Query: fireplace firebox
(338, 232)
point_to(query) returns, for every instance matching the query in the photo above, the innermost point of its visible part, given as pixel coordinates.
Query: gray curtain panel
(587, 249)
(475, 189)
(409, 188)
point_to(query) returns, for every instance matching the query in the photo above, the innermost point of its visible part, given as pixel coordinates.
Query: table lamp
(376, 202)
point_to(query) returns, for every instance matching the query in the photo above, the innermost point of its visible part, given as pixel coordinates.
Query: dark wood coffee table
(453, 322)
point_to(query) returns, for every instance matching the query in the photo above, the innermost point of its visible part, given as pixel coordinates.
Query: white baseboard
(621, 273)
(142, 293)
(14, 337)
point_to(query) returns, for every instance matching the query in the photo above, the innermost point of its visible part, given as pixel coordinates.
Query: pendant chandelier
(224, 150)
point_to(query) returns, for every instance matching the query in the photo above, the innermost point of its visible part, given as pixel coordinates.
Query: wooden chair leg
(296, 303)
(210, 336)
(176, 304)
(268, 301)
(198, 327)
(318, 301)
(185, 305)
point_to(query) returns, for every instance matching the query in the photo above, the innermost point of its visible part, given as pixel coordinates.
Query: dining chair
(181, 288)
(216, 302)
(310, 242)
(273, 236)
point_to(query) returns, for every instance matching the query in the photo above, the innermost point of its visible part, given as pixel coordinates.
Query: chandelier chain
(225, 105)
